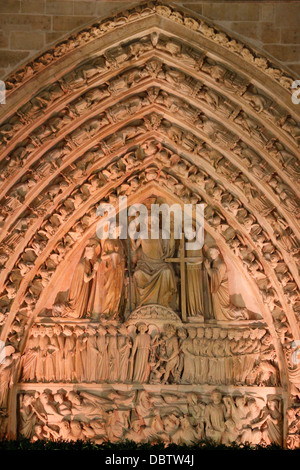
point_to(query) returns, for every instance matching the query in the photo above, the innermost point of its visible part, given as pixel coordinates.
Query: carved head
(67, 331)
(238, 334)
(112, 330)
(35, 331)
(142, 327)
(42, 331)
(57, 329)
(216, 396)
(240, 401)
(27, 399)
(89, 252)
(38, 429)
(192, 398)
(170, 331)
(181, 332)
(90, 330)
(214, 252)
(136, 425)
(223, 333)
(192, 332)
(75, 427)
(49, 331)
(253, 406)
(246, 333)
(253, 333)
(216, 333)
(208, 333)
(44, 398)
(101, 330)
(261, 333)
(78, 331)
(65, 425)
(58, 397)
(74, 398)
(200, 332)
(273, 404)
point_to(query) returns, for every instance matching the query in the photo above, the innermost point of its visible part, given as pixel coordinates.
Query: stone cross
(182, 260)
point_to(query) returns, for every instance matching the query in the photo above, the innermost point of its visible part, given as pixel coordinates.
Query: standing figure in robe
(188, 375)
(154, 279)
(171, 356)
(69, 353)
(80, 353)
(113, 355)
(29, 359)
(92, 355)
(124, 347)
(49, 360)
(217, 272)
(42, 356)
(197, 293)
(215, 417)
(139, 358)
(58, 354)
(80, 289)
(108, 282)
(102, 344)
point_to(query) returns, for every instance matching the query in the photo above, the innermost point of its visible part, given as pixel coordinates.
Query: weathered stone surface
(33, 6)
(260, 22)
(27, 41)
(68, 23)
(287, 53)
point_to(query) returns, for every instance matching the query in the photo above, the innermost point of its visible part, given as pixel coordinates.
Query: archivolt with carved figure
(113, 339)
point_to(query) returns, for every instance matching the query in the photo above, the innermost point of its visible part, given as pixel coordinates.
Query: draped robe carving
(154, 279)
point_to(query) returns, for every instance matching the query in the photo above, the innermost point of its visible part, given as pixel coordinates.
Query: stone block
(248, 29)
(267, 12)
(68, 23)
(3, 39)
(12, 58)
(231, 11)
(33, 6)
(290, 35)
(106, 8)
(196, 7)
(59, 7)
(30, 22)
(25, 40)
(269, 33)
(287, 14)
(50, 38)
(84, 8)
(284, 53)
(296, 69)
(10, 6)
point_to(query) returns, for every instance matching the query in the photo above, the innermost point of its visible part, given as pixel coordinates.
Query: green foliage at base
(26, 444)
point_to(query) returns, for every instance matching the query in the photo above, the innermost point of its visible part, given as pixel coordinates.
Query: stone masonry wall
(30, 26)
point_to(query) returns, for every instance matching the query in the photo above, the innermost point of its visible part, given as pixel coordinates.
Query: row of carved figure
(86, 72)
(211, 128)
(136, 48)
(232, 204)
(187, 356)
(40, 282)
(154, 68)
(174, 417)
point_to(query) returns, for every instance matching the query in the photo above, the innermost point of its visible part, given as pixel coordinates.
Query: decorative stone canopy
(150, 102)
